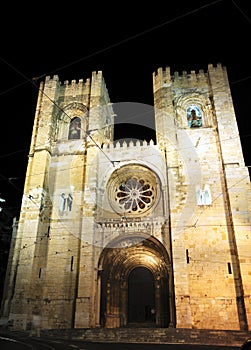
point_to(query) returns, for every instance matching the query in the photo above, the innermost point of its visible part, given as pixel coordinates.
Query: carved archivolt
(193, 101)
(67, 116)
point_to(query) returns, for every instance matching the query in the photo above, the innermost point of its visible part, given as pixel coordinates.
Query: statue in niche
(74, 129)
(194, 117)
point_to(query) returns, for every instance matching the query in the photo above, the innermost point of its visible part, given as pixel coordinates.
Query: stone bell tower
(209, 189)
(45, 267)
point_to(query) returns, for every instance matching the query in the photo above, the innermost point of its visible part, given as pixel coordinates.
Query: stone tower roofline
(96, 81)
(164, 78)
(95, 74)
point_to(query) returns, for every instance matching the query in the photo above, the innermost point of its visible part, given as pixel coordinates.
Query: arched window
(74, 129)
(194, 117)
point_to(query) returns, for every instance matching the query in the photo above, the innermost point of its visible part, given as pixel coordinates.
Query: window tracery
(135, 195)
(133, 190)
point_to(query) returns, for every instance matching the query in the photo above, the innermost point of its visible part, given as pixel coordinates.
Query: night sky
(128, 43)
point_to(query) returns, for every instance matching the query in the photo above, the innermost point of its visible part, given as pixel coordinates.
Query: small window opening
(187, 256)
(72, 262)
(48, 231)
(229, 268)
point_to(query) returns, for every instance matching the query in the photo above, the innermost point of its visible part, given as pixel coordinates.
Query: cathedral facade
(129, 232)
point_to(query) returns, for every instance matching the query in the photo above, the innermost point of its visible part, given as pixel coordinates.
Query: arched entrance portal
(135, 280)
(141, 296)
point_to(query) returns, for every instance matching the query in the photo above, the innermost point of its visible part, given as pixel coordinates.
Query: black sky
(128, 42)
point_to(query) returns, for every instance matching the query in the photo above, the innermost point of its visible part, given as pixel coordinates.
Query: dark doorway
(141, 296)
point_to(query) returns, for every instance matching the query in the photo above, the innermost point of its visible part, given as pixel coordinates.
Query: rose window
(133, 190)
(135, 195)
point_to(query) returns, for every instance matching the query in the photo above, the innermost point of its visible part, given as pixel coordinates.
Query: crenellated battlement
(71, 89)
(189, 79)
(73, 82)
(126, 144)
(163, 78)
(75, 87)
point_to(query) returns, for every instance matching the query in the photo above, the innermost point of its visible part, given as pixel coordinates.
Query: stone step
(153, 335)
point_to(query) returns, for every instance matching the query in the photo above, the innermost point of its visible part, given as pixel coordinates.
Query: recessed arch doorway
(136, 285)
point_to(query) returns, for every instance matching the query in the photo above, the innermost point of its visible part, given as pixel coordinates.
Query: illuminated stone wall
(93, 209)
